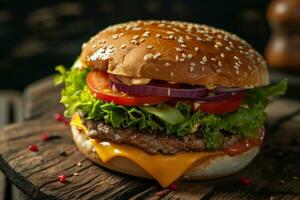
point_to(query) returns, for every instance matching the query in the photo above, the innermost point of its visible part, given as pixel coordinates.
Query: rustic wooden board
(275, 172)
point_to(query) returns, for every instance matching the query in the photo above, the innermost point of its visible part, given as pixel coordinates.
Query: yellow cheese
(164, 168)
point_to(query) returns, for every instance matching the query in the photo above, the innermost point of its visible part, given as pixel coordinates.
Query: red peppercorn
(45, 136)
(173, 186)
(33, 148)
(66, 122)
(62, 178)
(59, 117)
(245, 180)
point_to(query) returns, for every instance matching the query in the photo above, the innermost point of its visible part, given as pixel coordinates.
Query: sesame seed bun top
(177, 52)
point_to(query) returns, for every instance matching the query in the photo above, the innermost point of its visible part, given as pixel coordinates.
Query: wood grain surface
(274, 174)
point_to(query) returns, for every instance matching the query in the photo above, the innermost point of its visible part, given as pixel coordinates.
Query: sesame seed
(218, 71)
(203, 68)
(219, 64)
(121, 34)
(114, 37)
(149, 47)
(178, 49)
(111, 50)
(213, 59)
(172, 74)
(156, 56)
(222, 55)
(177, 58)
(111, 47)
(190, 56)
(219, 43)
(135, 37)
(171, 36)
(183, 55)
(193, 64)
(196, 49)
(236, 67)
(237, 72)
(237, 58)
(161, 25)
(188, 37)
(227, 48)
(148, 56)
(204, 58)
(181, 59)
(158, 35)
(76, 174)
(134, 42)
(146, 33)
(191, 69)
(142, 40)
(183, 46)
(175, 29)
(169, 89)
(136, 28)
(216, 46)
(170, 32)
(180, 40)
(201, 62)
(167, 64)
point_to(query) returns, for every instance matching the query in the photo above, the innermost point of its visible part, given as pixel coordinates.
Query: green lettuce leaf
(178, 120)
(166, 113)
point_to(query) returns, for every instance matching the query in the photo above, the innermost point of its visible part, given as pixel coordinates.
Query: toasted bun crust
(218, 166)
(178, 52)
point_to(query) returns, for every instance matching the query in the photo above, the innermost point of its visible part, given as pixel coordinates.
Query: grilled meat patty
(151, 141)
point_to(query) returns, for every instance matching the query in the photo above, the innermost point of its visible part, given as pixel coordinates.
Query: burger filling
(153, 141)
(160, 117)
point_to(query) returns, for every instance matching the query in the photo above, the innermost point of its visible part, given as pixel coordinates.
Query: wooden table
(274, 174)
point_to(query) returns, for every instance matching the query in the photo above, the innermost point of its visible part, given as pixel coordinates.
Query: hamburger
(168, 100)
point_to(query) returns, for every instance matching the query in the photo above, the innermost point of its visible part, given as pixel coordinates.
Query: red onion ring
(194, 93)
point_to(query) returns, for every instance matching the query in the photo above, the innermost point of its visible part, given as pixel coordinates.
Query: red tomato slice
(100, 87)
(219, 107)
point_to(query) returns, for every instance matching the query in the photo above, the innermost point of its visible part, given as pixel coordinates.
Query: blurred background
(35, 36)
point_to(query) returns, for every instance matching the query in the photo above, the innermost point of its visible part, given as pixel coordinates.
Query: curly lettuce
(178, 120)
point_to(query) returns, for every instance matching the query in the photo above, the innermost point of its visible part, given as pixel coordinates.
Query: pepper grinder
(283, 49)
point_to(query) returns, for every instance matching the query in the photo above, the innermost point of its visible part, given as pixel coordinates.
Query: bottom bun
(212, 167)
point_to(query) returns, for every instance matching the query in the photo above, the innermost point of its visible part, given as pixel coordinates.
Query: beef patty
(151, 141)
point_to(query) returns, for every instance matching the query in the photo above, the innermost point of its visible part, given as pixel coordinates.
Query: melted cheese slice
(164, 168)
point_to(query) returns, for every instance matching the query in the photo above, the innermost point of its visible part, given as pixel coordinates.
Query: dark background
(35, 36)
